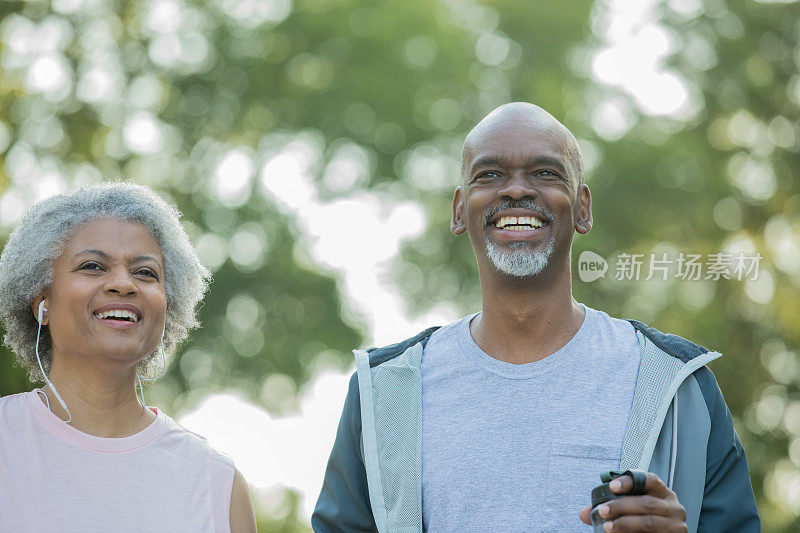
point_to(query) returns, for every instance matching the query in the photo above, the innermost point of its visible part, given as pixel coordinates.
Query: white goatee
(520, 261)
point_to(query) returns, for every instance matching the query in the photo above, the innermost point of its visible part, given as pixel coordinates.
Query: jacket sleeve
(343, 504)
(728, 500)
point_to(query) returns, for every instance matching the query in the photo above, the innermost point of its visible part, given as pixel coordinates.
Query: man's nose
(518, 186)
(120, 281)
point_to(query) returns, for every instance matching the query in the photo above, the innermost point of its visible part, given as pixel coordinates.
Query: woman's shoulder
(11, 399)
(220, 466)
(18, 420)
(193, 441)
(16, 405)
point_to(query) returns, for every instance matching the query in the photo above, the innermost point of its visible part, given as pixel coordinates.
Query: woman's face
(107, 302)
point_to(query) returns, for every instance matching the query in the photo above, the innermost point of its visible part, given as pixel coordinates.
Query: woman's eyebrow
(104, 255)
(150, 258)
(139, 258)
(101, 253)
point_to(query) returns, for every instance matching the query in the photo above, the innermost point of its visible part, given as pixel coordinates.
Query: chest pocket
(574, 470)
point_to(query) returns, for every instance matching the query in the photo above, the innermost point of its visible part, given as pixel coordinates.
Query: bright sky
(292, 451)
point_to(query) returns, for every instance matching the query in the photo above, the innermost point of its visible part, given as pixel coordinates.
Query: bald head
(522, 116)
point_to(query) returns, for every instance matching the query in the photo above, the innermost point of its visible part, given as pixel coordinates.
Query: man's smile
(525, 213)
(517, 221)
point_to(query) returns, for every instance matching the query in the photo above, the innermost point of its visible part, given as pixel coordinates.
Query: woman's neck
(100, 403)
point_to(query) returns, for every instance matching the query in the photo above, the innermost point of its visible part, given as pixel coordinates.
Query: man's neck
(101, 402)
(526, 320)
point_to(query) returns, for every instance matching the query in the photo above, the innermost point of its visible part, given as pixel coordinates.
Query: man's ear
(583, 215)
(457, 224)
(35, 308)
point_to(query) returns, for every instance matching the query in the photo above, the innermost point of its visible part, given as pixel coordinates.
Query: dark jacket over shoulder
(679, 428)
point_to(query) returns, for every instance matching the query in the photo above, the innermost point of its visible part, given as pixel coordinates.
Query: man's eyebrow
(489, 160)
(546, 161)
(534, 161)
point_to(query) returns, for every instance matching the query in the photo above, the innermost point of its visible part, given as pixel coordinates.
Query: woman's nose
(119, 281)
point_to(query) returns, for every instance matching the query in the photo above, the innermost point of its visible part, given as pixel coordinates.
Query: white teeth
(518, 223)
(118, 313)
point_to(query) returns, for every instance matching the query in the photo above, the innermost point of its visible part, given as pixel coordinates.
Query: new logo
(591, 266)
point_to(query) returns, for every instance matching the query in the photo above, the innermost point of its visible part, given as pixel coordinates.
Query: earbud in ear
(42, 309)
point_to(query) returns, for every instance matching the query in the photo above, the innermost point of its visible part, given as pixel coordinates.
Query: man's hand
(657, 510)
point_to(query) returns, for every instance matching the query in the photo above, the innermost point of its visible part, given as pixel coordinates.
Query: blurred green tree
(201, 100)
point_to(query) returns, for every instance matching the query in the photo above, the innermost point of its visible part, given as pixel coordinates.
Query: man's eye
(90, 265)
(488, 175)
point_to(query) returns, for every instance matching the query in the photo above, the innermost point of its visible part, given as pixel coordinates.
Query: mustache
(523, 204)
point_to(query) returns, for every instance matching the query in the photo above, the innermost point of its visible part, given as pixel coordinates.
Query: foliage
(202, 100)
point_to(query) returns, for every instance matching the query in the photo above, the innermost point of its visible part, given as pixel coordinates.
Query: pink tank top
(56, 478)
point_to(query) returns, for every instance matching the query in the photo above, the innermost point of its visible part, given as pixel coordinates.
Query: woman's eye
(147, 272)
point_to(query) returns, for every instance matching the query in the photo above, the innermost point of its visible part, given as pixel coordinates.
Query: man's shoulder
(380, 355)
(674, 345)
(684, 350)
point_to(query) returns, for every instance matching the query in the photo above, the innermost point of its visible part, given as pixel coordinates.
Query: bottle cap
(602, 494)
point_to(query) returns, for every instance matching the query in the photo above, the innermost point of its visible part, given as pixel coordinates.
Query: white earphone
(42, 309)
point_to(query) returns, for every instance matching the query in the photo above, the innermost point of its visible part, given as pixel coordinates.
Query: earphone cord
(139, 378)
(39, 360)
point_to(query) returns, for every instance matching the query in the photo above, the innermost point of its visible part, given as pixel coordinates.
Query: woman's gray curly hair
(26, 263)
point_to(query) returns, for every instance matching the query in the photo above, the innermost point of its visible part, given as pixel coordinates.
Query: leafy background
(223, 105)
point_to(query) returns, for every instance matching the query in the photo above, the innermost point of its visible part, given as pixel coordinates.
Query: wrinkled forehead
(516, 140)
(109, 234)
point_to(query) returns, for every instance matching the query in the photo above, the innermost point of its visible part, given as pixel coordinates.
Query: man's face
(520, 199)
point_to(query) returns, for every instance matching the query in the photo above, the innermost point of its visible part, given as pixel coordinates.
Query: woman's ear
(39, 308)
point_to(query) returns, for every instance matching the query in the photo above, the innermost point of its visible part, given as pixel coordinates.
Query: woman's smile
(119, 315)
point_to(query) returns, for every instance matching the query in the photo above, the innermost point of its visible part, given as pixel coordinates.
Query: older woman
(96, 288)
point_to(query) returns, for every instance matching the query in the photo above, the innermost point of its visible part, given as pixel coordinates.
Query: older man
(502, 421)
